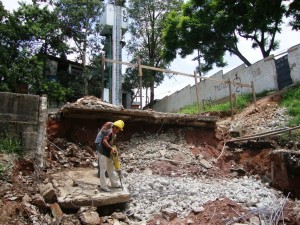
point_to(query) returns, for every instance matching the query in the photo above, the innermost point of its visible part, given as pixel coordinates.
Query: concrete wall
(263, 74)
(19, 116)
(294, 62)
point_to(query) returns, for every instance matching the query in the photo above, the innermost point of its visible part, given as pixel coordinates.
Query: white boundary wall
(262, 73)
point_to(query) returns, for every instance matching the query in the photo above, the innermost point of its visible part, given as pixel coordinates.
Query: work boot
(106, 189)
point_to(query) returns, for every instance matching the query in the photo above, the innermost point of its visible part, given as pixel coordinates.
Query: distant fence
(265, 75)
(218, 82)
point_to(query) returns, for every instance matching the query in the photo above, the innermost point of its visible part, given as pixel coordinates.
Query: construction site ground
(173, 174)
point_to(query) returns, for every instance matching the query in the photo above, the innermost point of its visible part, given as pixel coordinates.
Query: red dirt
(215, 212)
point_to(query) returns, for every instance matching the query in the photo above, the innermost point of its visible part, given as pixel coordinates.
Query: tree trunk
(238, 54)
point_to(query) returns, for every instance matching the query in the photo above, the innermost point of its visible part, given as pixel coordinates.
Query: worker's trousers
(106, 164)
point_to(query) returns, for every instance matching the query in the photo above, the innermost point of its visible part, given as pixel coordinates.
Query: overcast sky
(287, 38)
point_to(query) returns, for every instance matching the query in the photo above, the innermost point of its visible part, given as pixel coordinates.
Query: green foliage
(10, 144)
(26, 36)
(214, 27)
(294, 12)
(56, 92)
(80, 22)
(41, 29)
(291, 100)
(146, 38)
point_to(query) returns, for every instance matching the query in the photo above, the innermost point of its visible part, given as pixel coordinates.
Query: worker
(105, 127)
(106, 162)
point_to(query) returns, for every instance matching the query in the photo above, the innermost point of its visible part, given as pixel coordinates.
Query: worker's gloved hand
(114, 150)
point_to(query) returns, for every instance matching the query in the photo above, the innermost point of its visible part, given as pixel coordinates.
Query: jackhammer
(117, 165)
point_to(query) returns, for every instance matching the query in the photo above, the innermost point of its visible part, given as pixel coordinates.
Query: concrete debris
(182, 195)
(205, 164)
(119, 216)
(39, 201)
(197, 209)
(236, 129)
(168, 214)
(93, 102)
(68, 154)
(254, 122)
(48, 192)
(254, 220)
(26, 198)
(143, 148)
(190, 221)
(88, 216)
(69, 220)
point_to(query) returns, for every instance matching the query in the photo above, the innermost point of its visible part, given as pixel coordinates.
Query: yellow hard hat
(120, 124)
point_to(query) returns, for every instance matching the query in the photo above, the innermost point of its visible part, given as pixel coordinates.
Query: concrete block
(89, 218)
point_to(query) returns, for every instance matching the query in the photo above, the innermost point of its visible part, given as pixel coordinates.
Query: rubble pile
(144, 148)
(93, 103)
(68, 154)
(180, 194)
(154, 194)
(264, 118)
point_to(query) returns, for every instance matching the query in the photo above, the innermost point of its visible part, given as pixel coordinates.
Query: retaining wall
(263, 74)
(19, 117)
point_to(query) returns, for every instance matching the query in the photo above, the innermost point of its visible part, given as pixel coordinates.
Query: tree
(217, 26)
(146, 36)
(24, 34)
(27, 36)
(80, 22)
(294, 12)
(39, 32)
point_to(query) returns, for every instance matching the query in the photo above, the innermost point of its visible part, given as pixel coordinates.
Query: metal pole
(102, 77)
(197, 91)
(254, 95)
(140, 78)
(230, 98)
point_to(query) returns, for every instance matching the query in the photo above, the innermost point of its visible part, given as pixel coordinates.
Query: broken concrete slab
(93, 108)
(86, 191)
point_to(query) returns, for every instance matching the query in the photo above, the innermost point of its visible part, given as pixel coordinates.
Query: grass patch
(291, 100)
(242, 102)
(9, 144)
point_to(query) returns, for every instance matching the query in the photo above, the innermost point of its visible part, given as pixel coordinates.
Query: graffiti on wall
(221, 87)
(237, 84)
(237, 80)
(255, 73)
